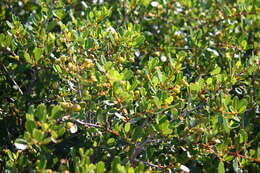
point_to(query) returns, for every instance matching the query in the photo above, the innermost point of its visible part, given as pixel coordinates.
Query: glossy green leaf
(139, 40)
(57, 68)
(127, 127)
(37, 54)
(61, 131)
(89, 43)
(28, 58)
(215, 71)
(114, 75)
(56, 111)
(137, 133)
(100, 167)
(110, 141)
(100, 68)
(127, 74)
(30, 125)
(41, 113)
(221, 167)
(38, 135)
(243, 136)
(235, 102)
(169, 100)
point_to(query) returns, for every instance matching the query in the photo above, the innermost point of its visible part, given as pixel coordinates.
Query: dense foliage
(129, 86)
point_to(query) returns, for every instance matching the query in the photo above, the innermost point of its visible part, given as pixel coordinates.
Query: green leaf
(30, 125)
(120, 168)
(100, 68)
(89, 43)
(157, 101)
(110, 141)
(244, 44)
(2, 40)
(115, 162)
(47, 140)
(243, 136)
(37, 54)
(28, 58)
(127, 74)
(137, 133)
(228, 157)
(114, 75)
(61, 131)
(51, 25)
(9, 24)
(215, 71)
(226, 126)
(194, 87)
(100, 167)
(57, 68)
(140, 167)
(111, 36)
(60, 13)
(41, 113)
(30, 6)
(139, 40)
(164, 127)
(127, 127)
(221, 167)
(38, 135)
(159, 75)
(55, 111)
(235, 103)
(145, 2)
(242, 109)
(169, 100)
(201, 83)
(242, 105)
(209, 81)
(227, 11)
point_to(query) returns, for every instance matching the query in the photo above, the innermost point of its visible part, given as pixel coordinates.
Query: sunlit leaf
(21, 144)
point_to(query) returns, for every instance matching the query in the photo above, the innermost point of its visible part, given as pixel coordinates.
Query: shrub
(129, 86)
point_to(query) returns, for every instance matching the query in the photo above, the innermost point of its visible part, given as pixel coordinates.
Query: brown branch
(236, 154)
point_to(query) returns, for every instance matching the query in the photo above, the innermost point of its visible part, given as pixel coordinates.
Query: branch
(199, 106)
(187, 112)
(150, 164)
(88, 124)
(141, 146)
(12, 79)
(91, 125)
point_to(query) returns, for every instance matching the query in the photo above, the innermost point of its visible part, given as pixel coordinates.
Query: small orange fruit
(76, 108)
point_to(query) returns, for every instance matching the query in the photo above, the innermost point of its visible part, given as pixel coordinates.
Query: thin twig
(187, 112)
(199, 106)
(88, 124)
(12, 79)
(150, 164)
(140, 147)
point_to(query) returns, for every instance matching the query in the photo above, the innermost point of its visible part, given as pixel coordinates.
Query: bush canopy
(128, 86)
